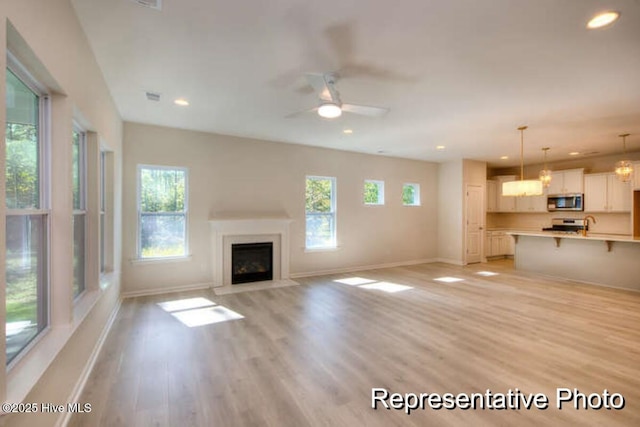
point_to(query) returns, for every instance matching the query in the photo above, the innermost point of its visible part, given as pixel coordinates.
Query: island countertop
(604, 259)
(578, 236)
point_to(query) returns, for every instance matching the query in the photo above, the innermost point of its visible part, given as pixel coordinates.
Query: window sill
(373, 205)
(411, 206)
(29, 367)
(327, 249)
(167, 260)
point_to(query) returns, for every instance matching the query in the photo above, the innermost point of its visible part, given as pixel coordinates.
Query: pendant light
(529, 187)
(624, 168)
(545, 173)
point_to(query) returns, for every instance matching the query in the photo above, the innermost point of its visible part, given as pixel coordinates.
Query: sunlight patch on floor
(370, 284)
(448, 279)
(487, 273)
(354, 281)
(199, 311)
(387, 287)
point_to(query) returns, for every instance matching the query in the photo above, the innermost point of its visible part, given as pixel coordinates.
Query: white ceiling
(459, 73)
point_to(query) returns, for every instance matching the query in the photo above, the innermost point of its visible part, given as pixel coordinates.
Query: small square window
(373, 192)
(411, 194)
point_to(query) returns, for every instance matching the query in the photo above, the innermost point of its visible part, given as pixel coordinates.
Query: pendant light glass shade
(545, 173)
(624, 168)
(529, 187)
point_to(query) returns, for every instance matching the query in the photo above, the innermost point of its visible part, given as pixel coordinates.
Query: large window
(162, 212)
(26, 240)
(320, 206)
(79, 210)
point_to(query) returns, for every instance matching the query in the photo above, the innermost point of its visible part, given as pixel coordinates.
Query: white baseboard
(157, 291)
(88, 367)
(361, 268)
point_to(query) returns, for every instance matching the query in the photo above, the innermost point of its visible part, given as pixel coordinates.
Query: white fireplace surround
(228, 231)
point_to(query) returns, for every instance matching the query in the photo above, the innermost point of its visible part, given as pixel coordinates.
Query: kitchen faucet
(585, 225)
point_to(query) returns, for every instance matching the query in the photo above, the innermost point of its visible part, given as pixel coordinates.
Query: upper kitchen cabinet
(603, 192)
(504, 204)
(532, 203)
(567, 182)
(492, 188)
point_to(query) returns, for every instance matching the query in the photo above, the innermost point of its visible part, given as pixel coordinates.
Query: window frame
(378, 183)
(333, 205)
(43, 285)
(81, 210)
(416, 192)
(185, 212)
(102, 213)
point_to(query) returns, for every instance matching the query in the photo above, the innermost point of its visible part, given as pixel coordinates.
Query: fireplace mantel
(226, 230)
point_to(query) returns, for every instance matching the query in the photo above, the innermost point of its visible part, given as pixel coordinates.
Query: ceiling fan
(330, 106)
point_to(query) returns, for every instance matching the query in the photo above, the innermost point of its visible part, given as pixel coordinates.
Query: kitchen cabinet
(504, 204)
(636, 176)
(603, 192)
(498, 243)
(492, 194)
(532, 203)
(567, 182)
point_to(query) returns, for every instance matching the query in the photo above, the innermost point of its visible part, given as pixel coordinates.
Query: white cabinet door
(618, 194)
(567, 181)
(636, 176)
(492, 187)
(531, 203)
(595, 193)
(505, 204)
(603, 192)
(557, 183)
(487, 244)
(509, 244)
(574, 181)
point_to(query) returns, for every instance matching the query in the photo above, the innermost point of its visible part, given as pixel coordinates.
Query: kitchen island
(603, 259)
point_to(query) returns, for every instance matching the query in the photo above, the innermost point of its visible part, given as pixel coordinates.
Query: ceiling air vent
(152, 4)
(151, 96)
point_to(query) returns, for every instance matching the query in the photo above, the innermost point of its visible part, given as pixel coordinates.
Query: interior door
(474, 223)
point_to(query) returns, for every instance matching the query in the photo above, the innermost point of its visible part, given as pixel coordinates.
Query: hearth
(251, 262)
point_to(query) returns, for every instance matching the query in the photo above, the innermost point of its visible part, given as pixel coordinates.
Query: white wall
(229, 175)
(47, 37)
(450, 212)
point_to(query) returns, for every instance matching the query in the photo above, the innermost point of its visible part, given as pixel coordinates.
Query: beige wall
(46, 36)
(450, 212)
(229, 175)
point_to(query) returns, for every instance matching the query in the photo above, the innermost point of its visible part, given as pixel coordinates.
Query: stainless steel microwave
(565, 202)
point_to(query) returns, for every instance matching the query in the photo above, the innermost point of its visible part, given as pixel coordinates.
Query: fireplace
(233, 230)
(251, 262)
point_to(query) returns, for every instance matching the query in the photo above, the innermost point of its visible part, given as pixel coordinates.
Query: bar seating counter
(603, 259)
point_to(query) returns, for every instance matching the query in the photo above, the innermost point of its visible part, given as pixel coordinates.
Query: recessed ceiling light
(181, 102)
(574, 153)
(382, 152)
(347, 131)
(504, 157)
(440, 147)
(602, 19)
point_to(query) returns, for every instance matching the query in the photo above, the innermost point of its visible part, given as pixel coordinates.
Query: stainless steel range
(567, 225)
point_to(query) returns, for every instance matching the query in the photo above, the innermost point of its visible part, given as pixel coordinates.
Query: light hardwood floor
(309, 355)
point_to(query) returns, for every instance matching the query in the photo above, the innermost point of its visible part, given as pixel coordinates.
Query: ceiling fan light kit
(330, 106)
(522, 188)
(329, 110)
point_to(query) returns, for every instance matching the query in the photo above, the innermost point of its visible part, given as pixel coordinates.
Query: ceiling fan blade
(323, 85)
(365, 110)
